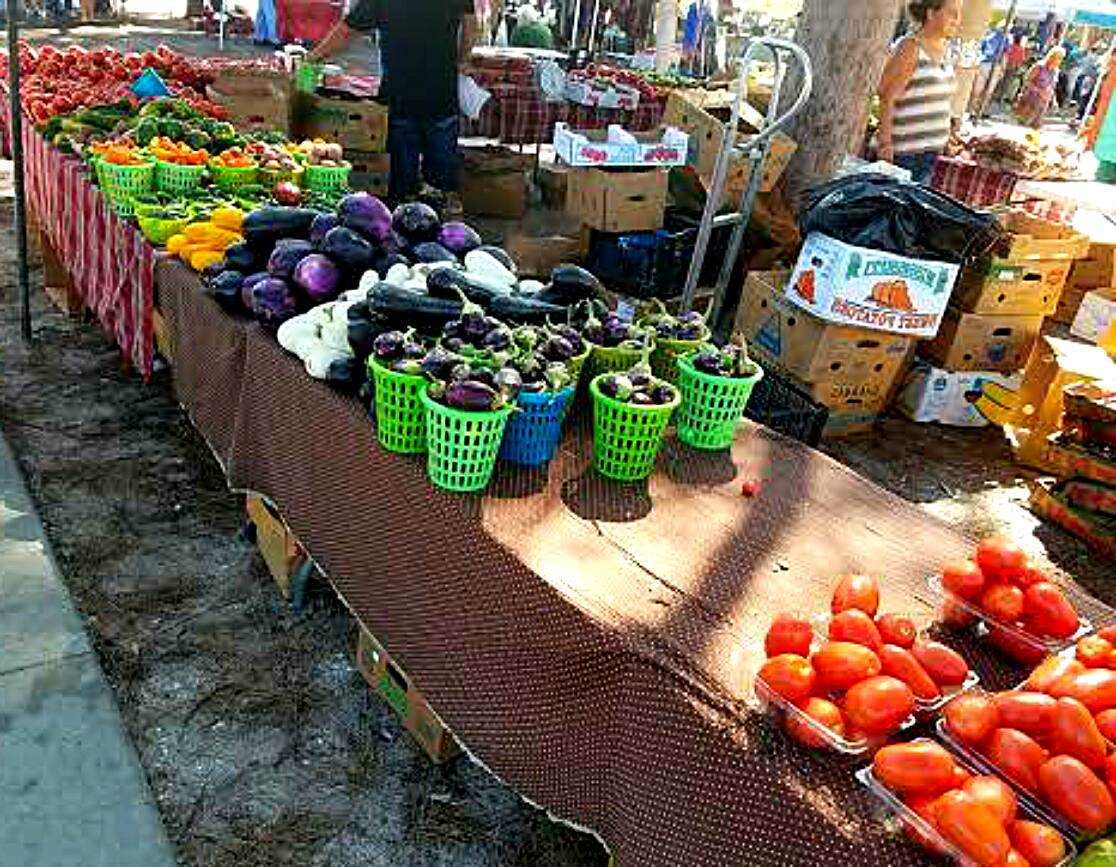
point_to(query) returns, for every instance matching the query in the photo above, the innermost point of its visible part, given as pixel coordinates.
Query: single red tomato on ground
(856, 591)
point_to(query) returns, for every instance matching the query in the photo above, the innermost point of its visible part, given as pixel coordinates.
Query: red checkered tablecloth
(110, 263)
(518, 113)
(981, 187)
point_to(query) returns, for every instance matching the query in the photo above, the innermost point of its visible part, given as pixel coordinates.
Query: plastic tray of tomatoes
(1051, 751)
(948, 806)
(1010, 601)
(924, 706)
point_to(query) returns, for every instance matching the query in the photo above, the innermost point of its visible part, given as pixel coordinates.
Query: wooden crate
(278, 546)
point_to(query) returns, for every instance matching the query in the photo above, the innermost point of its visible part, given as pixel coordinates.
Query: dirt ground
(261, 743)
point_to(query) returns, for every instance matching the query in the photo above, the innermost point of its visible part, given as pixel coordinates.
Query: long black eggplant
(524, 311)
(447, 282)
(399, 304)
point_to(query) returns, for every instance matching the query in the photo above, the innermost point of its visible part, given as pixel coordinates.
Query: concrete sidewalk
(71, 790)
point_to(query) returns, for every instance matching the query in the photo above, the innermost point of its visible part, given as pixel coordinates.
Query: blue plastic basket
(533, 432)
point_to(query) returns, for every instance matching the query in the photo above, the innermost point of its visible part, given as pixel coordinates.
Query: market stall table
(592, 644)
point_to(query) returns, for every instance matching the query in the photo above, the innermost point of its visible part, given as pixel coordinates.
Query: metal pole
(221, 29)
(985, 94)
(593, 25)
(15, 130)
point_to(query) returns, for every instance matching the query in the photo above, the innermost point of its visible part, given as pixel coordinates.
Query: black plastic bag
(893, 216)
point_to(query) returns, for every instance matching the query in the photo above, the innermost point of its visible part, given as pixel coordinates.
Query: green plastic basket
(120, 183)
(400, 415)
(327, 179)
(234, 179)
(626, 437)
(664, 360)
(462, 446)
(611, 360)
(272, 177)
(177, 178)
(159, 231)
(576, 364)
(711, 406)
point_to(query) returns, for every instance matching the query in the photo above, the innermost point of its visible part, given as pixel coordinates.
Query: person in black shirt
(421, 43)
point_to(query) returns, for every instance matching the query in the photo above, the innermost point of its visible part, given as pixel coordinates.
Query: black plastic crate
(654, 264)
(781, 405)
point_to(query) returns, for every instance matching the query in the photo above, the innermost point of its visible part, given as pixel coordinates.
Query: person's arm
(362, 18)
(896, 76)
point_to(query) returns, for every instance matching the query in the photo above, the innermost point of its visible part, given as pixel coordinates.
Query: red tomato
(901, 663)
(1000, 559)
(972, 828)
(855, 626)
(879, 705)
(1108, 633)
(1041, 845)
(840, 664)
(897, 630)
(995, 794)
(1051, 671)
(963, 578)
(1004, 602)
(1028, 712)
(919, 768)
(1029, 575)
(1095, 652)
(1077, 794)
(1048, 612)
(1014, 859)
(946, 666)
(789, 676)
(1075, 733)
(960, 777)
(788, 634)
(856, 591)
(1110, 771)
(972, 718)
(1106, 724)
(1017, 756)
(821, 711)
(923, 807)
(1095, 688)
(1011, 642)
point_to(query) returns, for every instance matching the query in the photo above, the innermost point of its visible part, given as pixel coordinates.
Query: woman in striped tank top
(916, 90)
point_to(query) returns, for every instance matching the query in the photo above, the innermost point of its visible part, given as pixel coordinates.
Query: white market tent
(1101, 13)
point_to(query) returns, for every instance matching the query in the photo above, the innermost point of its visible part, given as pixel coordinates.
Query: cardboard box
(958, 399)
(553, 183)
(610, 201)
(359, 125)
(496, 182)
(1012, 288)
(810, 349)
(1069, 304)
(615, 96)
(1039, 403)
(57, 284)
(1032, 237)
(1097, 532)
(538, 256)
(598, 147)
(704, 120)
(370, 172)
(853, 417)
(1095, 316)
(391, 683)
(976, 342)
(278, 546)
(869, 289)
(255, 101)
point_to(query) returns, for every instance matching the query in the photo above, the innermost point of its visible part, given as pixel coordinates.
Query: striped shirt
(924, 110)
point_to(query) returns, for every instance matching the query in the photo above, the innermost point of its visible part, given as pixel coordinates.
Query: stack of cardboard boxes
(255, 99)
(1095, 272)
(852, 371)
(996, 315)
(359, 126)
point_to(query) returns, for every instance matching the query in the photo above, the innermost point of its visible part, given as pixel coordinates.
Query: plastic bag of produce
(887, 214)
(1100, 854)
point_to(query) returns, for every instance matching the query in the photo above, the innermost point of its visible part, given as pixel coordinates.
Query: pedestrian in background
(1039, 88)
(916, 90)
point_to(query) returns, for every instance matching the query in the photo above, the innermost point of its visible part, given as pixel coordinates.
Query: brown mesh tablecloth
(591, 643)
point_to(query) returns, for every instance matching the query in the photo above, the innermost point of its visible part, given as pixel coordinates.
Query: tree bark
(848, 45)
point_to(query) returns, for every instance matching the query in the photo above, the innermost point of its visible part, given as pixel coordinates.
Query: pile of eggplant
(638, 387)
(481, 363)
(608, 329)
(684, 326)
(730, 361)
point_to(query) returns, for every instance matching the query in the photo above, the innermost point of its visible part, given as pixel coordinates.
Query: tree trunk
(847, 43)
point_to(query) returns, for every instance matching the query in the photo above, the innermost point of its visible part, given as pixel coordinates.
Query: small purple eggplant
(472, 396)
